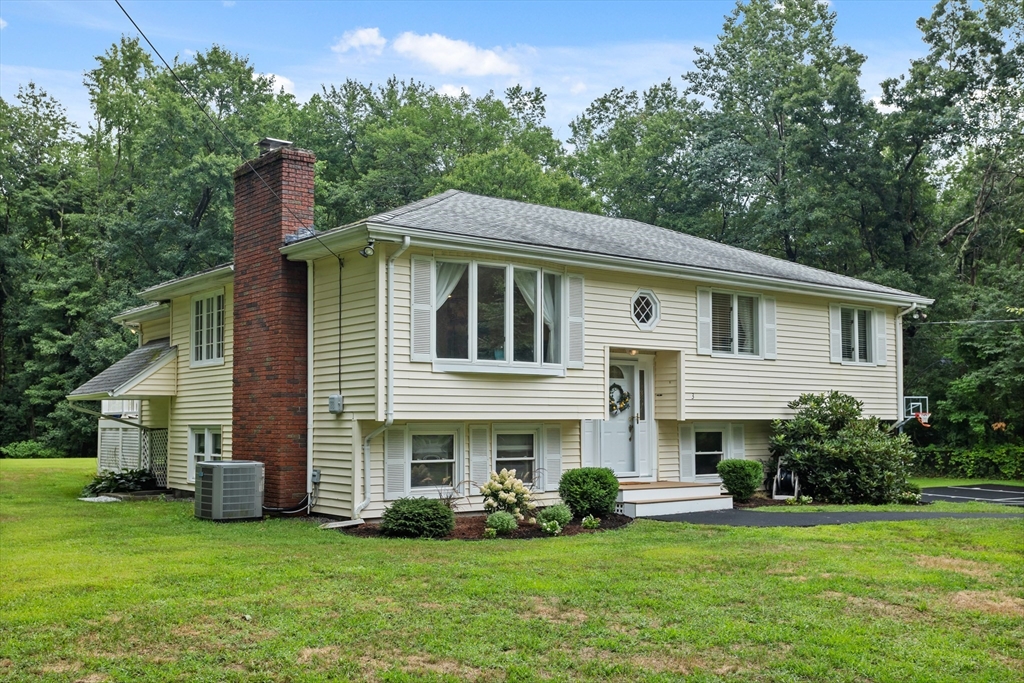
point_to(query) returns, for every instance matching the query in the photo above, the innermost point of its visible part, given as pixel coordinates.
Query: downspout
(389, 414)
(309, 386)
(899, 359)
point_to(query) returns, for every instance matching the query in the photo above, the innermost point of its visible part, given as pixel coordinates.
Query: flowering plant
(503, 492)
(551, 528)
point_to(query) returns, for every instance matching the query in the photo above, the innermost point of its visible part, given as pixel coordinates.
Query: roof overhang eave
(189, 285)
(100, 396)
(153, 311)
(353, 235)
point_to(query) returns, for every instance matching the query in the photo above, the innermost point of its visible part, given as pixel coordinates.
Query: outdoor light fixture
(633, 352)
(367, 251)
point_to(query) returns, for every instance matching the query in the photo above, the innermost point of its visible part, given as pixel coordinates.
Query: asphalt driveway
(981, 493)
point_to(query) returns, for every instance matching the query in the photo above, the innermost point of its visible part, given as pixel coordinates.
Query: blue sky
(573, 51)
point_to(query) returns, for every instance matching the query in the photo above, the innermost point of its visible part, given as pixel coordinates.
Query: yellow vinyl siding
(163, 382)
(203, 393)
(155, 329)
(154, 412)
(335, 442)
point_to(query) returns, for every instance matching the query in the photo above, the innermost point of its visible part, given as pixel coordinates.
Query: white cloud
(453, 90)
(883, 108)
(3, 24)
(279, 82)
(228, 3)
(363, 40)
(449, 56)
(577, 87)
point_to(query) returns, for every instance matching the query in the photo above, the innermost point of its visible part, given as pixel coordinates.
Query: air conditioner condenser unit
(229, 490)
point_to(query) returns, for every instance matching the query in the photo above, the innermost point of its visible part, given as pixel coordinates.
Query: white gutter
(389, 414)
(309, 386)
(899, 358)
(580, 259)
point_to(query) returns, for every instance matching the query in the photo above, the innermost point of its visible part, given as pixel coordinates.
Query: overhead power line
(970, 322)
(231, 143)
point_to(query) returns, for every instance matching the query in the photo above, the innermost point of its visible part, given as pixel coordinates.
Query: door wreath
(618, 399)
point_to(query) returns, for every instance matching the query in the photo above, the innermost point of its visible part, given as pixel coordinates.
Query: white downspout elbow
(899, 358)
(389, 414)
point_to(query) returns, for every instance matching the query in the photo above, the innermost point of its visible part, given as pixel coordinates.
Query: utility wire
(237, 149)
(968, 322)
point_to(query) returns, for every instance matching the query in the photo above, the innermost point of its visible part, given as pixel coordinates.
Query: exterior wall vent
(229, 490)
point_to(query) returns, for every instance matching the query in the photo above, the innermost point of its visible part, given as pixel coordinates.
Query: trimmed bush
(741, 477)
(839, 457)
(125, 481)
(589, 491)
(417, 518)
(20, 450)
(557, 513)
(502, 522)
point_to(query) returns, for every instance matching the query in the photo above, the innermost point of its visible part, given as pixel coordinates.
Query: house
(413, 352)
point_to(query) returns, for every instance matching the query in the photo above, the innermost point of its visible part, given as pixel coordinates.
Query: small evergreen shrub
(839, 457)
(741, 477)
(591, 522)
(20, 450)
(589, 491)
(502, 522)
(125, 481)
(503, 492)
(558, 513)
(417, 518)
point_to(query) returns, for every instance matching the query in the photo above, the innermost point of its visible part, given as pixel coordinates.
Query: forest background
(769, 144)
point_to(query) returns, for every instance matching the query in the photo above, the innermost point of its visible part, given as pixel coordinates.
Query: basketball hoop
(923, 418)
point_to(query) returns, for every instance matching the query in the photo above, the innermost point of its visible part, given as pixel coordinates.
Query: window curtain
(448, 277)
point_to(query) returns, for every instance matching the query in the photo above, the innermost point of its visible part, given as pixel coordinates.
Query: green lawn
(143, 592)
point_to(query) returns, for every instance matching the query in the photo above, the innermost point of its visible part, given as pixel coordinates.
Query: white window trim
(722, 427)
(869, 336)
(759, 327)
(456, 431)
(508, 366)
(538, 446)
(190, 473)
(192, 329)
(655, 319)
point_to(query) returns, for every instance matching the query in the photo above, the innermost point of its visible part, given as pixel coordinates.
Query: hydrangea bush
(504, 493)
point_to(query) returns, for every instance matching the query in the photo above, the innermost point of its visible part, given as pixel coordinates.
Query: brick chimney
(269, 399)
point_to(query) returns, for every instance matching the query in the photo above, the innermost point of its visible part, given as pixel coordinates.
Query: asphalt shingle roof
(460, 213)
(132, 365)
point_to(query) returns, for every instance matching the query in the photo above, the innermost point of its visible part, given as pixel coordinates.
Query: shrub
(502, 522)
(551, 528)
(591, 522)
(125, 481)
(999, 461)
(909, 498)
(589, 491)
(559, 513)
(741, 477)
(490, 533)
(838, 457)
(503, 492)
(20, 450)
(417, 518)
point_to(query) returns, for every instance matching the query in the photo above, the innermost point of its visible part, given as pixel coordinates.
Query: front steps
(649, 499)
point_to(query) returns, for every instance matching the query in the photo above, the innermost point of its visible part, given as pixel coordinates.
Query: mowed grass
(143, 592)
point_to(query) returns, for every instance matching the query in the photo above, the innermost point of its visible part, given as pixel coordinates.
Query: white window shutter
(552, 457)
(590, 454)
(835, 327)
(576, 332)
(422, 278)
(687, 455)
(479, 458)
(770, 345)
(880, 330)
(737, 445)
(396, 475)
(704, 322)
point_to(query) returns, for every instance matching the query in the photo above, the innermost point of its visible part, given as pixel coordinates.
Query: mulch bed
(471, 528)
(757, 501)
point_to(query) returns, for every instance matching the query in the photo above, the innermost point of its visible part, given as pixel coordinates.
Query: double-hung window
(432, 461)
(735, 324)
(856, 326)
(208, 329)
(516, 450)
(709, 449)
(496, 314)
(204, 444)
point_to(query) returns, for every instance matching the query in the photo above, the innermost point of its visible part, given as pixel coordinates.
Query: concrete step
(663, 490)
(675, 506)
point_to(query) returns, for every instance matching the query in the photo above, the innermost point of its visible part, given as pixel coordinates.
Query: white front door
(625, 434)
